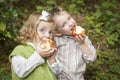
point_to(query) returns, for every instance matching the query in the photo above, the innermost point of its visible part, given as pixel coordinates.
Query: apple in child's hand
(77, 30)
(47, 44)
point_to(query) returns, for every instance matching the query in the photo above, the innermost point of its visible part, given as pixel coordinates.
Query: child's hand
(54, 53)
(45, 53)
(80, 38)
(51, 58)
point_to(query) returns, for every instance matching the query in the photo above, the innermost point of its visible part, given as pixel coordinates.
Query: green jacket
(42, 72)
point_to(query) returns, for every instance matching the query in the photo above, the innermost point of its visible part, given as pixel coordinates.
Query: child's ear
(58, 34)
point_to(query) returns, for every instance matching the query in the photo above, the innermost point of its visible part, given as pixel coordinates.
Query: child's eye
(42, 30)
(69, 17)
(64, 24)
(51, 32)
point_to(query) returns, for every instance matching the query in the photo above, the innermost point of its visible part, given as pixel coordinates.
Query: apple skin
(47, 44)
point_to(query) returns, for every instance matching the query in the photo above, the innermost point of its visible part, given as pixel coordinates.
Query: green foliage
(101, 21)
(104, 23)
(103, 28)
(73, 6)
(4, 75)
(106, 67)
(47, 5)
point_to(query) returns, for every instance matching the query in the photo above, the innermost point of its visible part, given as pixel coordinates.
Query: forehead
(61, 18)
(62, 15)
(46, 25)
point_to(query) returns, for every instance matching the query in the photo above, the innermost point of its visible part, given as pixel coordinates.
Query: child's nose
(47, 35)
(71, 24)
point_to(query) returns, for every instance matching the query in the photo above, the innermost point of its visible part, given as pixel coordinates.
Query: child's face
(45, 30)
(64, 23)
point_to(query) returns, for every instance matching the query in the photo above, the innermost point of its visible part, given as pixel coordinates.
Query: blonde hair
(29, 30)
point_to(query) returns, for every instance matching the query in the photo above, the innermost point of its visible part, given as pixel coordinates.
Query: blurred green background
(100, 18)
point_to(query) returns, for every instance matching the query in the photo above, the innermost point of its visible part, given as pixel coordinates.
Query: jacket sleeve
(23, 67)
(56, 67)
(89, 58)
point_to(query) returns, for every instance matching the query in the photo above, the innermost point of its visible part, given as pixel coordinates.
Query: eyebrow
(42, 27)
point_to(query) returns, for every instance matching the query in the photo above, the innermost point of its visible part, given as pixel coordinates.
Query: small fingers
(80, 38)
